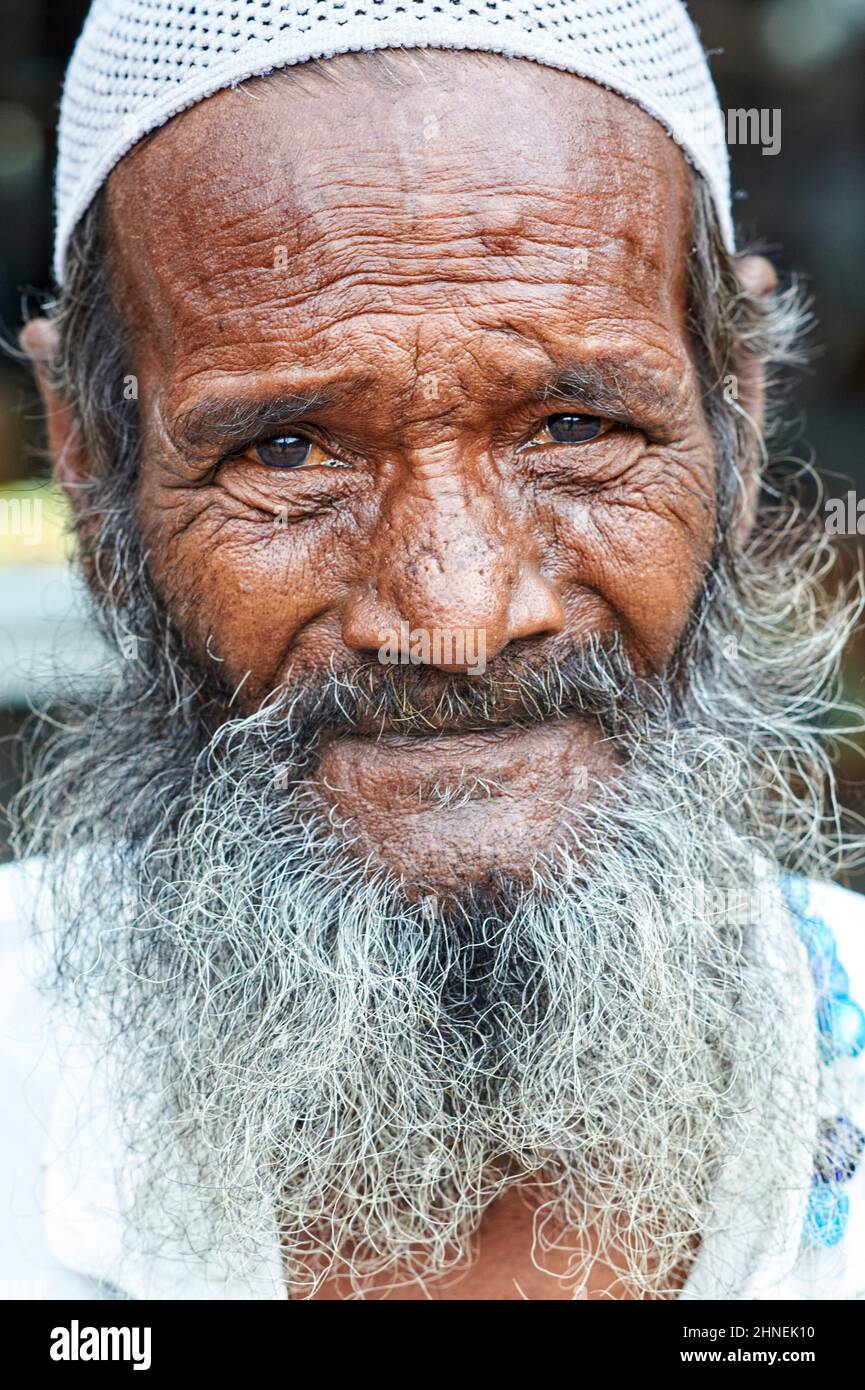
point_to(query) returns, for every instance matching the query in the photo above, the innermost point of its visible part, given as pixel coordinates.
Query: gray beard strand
(305, 1044)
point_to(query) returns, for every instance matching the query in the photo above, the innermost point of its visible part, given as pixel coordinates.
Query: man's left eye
(290, 451)
(572, 429)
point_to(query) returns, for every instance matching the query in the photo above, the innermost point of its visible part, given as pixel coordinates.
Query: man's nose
(451, 573)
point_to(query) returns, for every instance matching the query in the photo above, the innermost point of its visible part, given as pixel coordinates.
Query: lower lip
(505, 754)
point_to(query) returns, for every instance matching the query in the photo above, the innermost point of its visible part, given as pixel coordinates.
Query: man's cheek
(242, 590)
(645, 562)
(654, 580)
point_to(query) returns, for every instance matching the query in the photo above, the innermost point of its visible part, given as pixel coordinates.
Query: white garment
(140, 62)
(60, 1233)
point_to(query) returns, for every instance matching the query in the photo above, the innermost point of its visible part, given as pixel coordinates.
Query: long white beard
(314, 1050)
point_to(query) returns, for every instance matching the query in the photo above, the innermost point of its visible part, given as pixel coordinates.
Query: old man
(431, 905)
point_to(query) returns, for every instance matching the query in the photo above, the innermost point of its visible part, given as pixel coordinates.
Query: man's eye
(288, 451)
(573, 429)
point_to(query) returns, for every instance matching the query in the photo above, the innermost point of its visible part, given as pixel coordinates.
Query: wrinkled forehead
(294, 193)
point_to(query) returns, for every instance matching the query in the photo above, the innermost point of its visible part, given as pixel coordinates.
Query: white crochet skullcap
(139, 62)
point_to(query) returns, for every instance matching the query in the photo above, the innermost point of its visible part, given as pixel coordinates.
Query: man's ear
(41, 341)
(758, 278)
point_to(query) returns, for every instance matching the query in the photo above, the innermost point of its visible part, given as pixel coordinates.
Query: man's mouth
(413, 706)
(392, 768)
(451, 736)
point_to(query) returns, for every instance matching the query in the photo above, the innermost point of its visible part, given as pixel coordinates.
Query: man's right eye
(288, 451)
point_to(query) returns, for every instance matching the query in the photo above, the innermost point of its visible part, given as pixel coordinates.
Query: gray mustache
(597, 680)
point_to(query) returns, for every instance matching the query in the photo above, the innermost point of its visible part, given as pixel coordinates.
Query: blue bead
(817, 937)
(839, 980)
(827, 1214)
(842, 1025)
(795, 890)
(840, 1020)
(830, 977)
(841, 1145)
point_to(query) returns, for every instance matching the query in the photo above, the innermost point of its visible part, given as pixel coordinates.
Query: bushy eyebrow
(224, 422)
(618, 389)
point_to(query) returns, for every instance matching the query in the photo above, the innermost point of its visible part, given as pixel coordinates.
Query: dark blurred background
(805, 205)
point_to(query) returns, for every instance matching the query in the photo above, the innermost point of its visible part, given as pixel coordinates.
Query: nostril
(369, 621)
(535, 609)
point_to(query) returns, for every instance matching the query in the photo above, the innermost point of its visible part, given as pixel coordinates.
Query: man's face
(460, 306)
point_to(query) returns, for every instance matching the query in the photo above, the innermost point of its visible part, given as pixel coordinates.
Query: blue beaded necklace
(841, 1028)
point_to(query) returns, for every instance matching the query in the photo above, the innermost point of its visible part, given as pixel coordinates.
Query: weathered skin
(440, 278)
(433, 256)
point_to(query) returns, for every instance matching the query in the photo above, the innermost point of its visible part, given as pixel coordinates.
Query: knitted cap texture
(140, 62)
